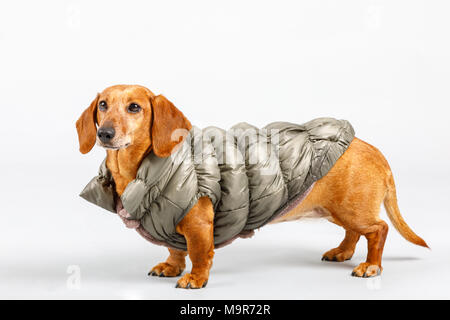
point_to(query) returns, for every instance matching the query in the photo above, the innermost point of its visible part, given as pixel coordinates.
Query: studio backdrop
(382, 65)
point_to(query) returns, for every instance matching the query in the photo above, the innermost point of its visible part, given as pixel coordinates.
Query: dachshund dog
(132, 122)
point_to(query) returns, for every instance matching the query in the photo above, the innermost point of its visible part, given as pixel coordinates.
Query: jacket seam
(323, 158)
(163, 196)
(271, 194)
(226, 211)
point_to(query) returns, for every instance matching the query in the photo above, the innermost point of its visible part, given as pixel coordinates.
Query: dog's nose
(106, 134)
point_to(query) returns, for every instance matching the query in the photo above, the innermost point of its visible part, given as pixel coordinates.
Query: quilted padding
(249, 174)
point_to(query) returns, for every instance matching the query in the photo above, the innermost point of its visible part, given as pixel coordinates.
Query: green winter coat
(250, 175)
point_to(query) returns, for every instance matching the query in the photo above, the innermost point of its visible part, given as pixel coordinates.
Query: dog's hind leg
(173, 267)
(345, 250)
(376, 236)
(353, 192)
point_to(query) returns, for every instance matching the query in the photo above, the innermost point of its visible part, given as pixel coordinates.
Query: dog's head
(125, 115)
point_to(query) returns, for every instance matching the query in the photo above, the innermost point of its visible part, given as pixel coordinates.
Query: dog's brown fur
(350, 195)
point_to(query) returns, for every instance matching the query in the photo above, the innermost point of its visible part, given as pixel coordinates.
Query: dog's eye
(102, 106)
(134, 108)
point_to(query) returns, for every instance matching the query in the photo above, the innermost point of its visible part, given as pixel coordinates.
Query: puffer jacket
(251, 176)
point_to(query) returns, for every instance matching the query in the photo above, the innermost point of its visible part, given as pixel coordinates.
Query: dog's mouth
(112, 147)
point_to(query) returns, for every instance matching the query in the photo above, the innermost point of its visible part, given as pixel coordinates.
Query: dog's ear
(169, 126)
(86, 127)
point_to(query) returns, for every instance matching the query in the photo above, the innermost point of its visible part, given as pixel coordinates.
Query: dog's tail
(393, 212)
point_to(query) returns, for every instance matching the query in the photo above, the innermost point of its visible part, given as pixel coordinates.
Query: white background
(383, 65)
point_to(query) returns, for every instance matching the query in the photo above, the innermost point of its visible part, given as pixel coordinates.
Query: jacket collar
(100, 190)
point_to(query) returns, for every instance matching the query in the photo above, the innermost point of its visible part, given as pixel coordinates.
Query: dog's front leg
(173, 266)
(198, 229)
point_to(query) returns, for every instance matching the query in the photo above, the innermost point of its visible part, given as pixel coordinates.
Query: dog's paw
(191, 281)
(165, 270)
(366, 270)
(337, 255)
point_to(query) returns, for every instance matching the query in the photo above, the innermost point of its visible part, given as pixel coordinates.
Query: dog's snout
(106, 134)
